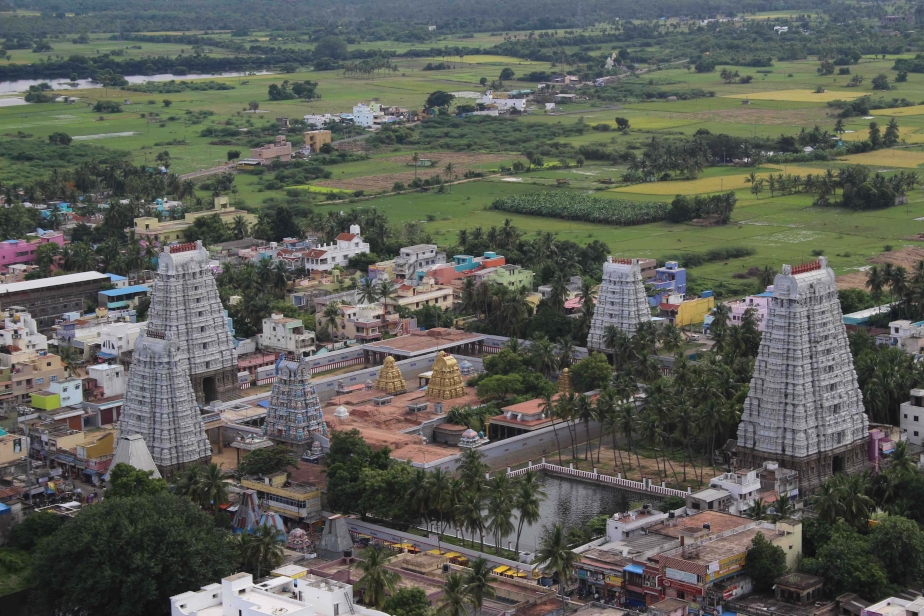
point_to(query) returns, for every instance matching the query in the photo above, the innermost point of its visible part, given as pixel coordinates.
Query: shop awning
(90, 471)
(633, 568)
(106, 355)
(500, 569)
(451, 554)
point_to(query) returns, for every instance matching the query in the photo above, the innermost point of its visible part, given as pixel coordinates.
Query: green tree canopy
(439, 98)
(848, 565)
(332, 47)
(128, 556)
(899, 544)
(764, 562)
(125, 481)
(407, 602)
(592, 372)
(267, 461)
(29, 533)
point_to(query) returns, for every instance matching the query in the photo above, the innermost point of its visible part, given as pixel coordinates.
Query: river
(573, 503)
(22, 85)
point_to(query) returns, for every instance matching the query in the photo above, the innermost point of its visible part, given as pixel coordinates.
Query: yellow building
(97, 446)
(688, 312)
(314, 139)
(46, 400)
(294, 501)
(152, 229)
(12, 448)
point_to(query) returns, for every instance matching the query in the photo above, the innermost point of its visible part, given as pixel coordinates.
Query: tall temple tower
(185, 306)
(622, 301)
(804, 409)
(294, 412)
(185, 358)
(160, 405)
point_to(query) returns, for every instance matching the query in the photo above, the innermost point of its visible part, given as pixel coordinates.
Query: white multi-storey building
(907, 336)
(116, 338)
(365, 115)
(111, 378)
(237, 594)
(284, 335)
(20, 330)
(326, 256)
(911, 418)
(414, 258)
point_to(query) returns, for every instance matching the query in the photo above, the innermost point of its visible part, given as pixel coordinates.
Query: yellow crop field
(706, 185)
(887, 158)
(899, 111)
(321, 189)
(489, 59)
(645, 122)
(799, 96)
(908, 133)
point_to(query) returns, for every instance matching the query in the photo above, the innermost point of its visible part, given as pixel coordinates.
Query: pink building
(759, 302)
(24, 251)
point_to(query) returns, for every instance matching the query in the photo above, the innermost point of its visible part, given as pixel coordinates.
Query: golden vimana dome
(390, 379)
(446, 380)
(564, 382)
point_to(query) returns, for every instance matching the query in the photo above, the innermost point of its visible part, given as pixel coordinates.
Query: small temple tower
(622, 301)
(804, 409)
(294, 414)
(564, 382)
(390, 379)
(160, 405)
(446, 380)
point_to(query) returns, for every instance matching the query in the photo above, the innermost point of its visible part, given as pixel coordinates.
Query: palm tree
(188, 482)
(367, 291)
(478, 584)
(783, 507)
(440, 494)
(416, 159)
(500, 508)
(387, 291)
(330, 314)
(671, 339)
(450, 169)
(557, 557)
(616, 341)
(901, 463)
(262, 550)
(543, 356)
(211, 491)
(376, 579)
(875, 282)
(758, 511)
(455, 596)
(468, 514)
(527, 500)
(472, 470)
(584, 412)
(549, 409)
(239, 227)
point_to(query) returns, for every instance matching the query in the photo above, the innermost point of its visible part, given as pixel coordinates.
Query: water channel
(22, 85)
(571, 502)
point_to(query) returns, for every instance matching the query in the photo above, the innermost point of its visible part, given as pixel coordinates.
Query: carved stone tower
(621, 301)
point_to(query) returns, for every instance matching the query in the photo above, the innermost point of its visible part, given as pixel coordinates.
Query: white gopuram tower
(185, 358)
(186, 308)
(160, 405)
(804, 409)
(621, 301)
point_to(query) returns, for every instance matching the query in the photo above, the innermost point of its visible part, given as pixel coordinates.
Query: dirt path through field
(906, 257)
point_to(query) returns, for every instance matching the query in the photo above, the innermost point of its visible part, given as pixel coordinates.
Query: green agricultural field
(782, 101)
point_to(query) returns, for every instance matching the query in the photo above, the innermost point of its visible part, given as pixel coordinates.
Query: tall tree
(376, 579)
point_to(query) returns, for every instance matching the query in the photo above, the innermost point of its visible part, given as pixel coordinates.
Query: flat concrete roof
(423, 342)
(52, 281)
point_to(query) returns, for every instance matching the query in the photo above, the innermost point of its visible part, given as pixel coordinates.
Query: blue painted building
(669, 280)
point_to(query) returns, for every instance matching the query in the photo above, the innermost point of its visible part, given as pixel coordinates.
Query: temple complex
(390, 379)
(446, 380)
(186, 308)
(622, 301)
(294, 414)
(804, 409)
